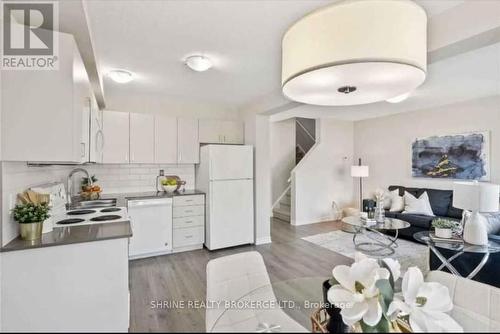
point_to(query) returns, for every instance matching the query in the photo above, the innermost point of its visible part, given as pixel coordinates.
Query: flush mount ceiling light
(399, 98)
(120, 76)
(198, 63)
(355, 52)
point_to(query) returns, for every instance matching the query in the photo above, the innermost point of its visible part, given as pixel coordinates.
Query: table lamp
(361, 172)
(476, 197)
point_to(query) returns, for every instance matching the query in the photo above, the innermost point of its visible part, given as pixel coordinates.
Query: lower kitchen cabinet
(79, 287)
(188, 222)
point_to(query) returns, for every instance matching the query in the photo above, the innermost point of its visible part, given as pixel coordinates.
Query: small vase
(31, 231)
(380, 212)
(335, 323)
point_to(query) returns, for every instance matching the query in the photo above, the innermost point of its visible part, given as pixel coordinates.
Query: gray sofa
(442, 205)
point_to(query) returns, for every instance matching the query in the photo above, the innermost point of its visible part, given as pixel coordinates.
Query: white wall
(17, 177)
(257, 133)
(385, 143)
(168, 105)
(323, 175)
(282, 155)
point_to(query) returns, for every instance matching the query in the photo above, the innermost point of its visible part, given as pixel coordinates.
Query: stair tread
(282, 211)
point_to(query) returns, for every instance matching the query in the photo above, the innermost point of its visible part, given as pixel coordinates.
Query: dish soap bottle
(159, 178)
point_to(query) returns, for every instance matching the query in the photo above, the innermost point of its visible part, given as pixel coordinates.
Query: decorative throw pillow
(420, 206)
(387, 199)
(397, 202)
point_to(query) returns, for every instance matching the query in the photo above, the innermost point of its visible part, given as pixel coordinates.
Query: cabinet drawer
(189, 221)
(189, 200)
(189, 236)
(188, 211)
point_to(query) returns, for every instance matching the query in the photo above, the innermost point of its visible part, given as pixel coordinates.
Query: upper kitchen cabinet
(188, 145)
(116, 137)
(96, 135)
(220, 132)
(42, 110)
(165, 139)
(142, 138)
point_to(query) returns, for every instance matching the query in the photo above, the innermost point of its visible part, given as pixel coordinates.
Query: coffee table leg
(444, 260)
(480, 266)
(387, 247)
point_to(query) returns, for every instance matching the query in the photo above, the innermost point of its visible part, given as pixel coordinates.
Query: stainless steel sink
(98, 203)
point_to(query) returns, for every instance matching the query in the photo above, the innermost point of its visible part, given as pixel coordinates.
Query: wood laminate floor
(181, 277)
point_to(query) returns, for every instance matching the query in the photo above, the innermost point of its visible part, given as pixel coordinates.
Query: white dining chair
(237, 277)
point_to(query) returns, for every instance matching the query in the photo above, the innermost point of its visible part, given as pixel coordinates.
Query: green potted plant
(30, 217)
(443, 227)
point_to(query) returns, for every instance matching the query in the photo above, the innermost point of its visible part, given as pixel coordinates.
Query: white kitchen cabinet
(116, 137)
(165, 139)
(96, 132)
(220, 132)
(232, 132)
(142, 138)
(42, 110)
(80, 287)
(188, 145)
(188, 222)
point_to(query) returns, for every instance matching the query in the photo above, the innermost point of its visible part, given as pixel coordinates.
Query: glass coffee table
(460, 248)
(379, 243)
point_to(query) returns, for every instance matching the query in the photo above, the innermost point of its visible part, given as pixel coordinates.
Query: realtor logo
(29, 41)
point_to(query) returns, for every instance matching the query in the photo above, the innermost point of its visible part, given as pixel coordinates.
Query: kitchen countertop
(121, 198)
(73, 235)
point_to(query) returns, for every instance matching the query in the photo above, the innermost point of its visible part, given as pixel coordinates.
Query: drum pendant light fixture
(355, 52)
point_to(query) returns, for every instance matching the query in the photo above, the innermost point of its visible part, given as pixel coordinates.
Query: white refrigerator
(225, 174)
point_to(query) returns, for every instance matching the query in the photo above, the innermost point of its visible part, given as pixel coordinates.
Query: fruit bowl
(169, 188)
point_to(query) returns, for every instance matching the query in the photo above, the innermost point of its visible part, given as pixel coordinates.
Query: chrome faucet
(69, 186)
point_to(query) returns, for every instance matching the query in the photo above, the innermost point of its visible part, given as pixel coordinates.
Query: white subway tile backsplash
(17, 177)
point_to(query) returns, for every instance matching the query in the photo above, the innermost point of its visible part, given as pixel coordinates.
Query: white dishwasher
(151, 222)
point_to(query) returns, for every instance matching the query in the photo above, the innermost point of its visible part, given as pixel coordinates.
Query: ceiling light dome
(376, 48)
(120, 76)
(198, 63)
(399, 98)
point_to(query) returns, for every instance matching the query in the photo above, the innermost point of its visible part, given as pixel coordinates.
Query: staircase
(305, 138)
(282, 210)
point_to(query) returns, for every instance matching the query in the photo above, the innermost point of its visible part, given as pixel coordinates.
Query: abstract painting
(461, 156)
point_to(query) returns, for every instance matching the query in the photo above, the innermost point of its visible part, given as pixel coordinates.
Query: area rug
(407, 253)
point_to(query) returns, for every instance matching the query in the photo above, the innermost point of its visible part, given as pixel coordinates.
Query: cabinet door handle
(189, 236)
(82, 150)
(188, 211)
(188, 222)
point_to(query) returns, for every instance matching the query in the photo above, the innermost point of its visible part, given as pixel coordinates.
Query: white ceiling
(243, 38)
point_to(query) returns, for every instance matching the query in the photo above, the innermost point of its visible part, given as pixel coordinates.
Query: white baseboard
(264, 240)
(312, 221)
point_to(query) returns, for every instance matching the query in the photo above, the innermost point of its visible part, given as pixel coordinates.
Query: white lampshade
(355, 52)
(360, 171)
(476, 196)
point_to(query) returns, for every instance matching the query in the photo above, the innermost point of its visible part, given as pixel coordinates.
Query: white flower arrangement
(365, 293)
